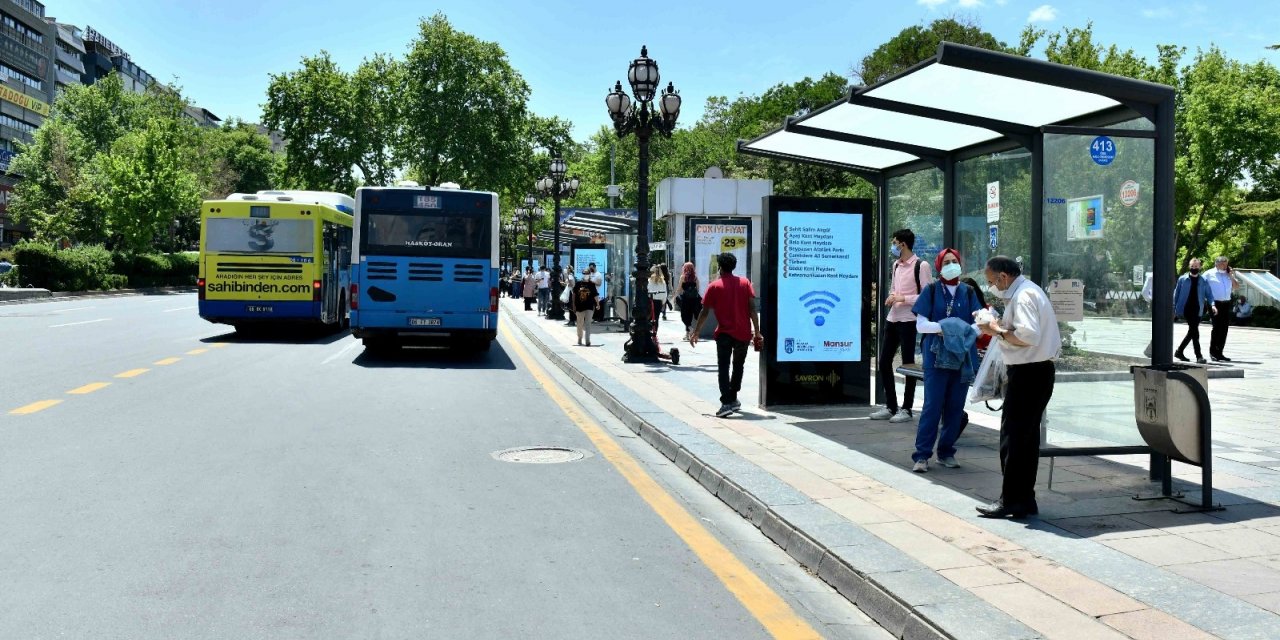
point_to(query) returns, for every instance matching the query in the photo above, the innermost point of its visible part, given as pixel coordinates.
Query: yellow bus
(275, 256)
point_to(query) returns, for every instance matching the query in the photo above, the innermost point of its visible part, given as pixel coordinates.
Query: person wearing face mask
(908, 277)
(1030, 342)
(944, 316)
(1191, 296)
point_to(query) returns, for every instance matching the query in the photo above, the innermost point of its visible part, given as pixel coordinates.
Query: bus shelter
(1067, 170)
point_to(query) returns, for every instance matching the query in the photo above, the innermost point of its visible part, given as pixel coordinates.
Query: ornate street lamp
(558, 188)
(642, 119)
(530, 210)
(509, 229)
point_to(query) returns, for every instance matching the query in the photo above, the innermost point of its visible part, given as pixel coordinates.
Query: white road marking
(353, 344)
(72, 324)
(185, 308)
(76, 309)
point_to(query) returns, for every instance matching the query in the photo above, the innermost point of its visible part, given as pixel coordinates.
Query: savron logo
(815, 378)
(819, 304)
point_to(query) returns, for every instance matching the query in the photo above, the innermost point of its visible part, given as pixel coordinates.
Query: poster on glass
(711, 237)
(1084, 218)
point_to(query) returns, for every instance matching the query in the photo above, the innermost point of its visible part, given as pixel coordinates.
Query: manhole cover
(539, 455)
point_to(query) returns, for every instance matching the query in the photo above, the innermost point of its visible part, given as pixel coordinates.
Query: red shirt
(730, 297)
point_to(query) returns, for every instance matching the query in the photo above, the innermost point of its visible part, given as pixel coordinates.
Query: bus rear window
(438, 233)
(240, 235)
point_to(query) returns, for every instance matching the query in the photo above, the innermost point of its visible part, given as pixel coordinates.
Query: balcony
(10, 133)
(63, 76)
(71, 60)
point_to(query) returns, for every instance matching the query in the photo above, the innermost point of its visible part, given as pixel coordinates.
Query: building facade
(102, 56)
(27, 86)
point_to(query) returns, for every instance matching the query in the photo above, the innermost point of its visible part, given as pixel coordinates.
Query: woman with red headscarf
(944, 316)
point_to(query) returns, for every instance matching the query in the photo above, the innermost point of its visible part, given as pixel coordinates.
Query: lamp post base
(556, 312)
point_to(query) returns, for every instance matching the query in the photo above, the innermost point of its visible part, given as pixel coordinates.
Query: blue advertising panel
(599, 254)
(820, 286)
(816, 315)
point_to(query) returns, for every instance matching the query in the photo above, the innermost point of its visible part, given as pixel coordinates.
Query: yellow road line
(89, 388)
(778, 618)
(218, 345)
(167, 361)
(196, 352)
(132, 373)
(34, 407)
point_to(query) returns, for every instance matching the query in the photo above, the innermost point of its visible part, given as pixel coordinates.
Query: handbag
(992, 379)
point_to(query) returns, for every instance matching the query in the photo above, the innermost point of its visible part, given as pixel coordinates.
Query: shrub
(83, 268)
(157, 269)
(10, 278)
(1268, 317)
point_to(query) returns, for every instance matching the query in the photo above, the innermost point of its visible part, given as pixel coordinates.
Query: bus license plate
(424, 322)
(253, 308)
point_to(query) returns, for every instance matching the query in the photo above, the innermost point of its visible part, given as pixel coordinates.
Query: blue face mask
(895, 251)
(951, 271)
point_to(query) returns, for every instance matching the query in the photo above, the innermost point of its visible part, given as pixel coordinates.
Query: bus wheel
(344, 321)
(379, 346)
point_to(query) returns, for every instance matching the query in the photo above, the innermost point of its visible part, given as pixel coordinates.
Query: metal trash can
(1168, 410)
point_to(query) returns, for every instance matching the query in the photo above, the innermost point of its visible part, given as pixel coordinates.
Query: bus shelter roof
(962, 97)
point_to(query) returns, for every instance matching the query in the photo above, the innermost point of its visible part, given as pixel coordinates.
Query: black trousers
(730, 381)
(897, 334)
(1193, 335)
(1028, 393)
(1221, 322)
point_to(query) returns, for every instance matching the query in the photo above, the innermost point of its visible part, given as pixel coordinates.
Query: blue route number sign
(1102, 150)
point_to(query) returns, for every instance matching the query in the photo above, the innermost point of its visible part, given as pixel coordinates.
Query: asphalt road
(205, 485)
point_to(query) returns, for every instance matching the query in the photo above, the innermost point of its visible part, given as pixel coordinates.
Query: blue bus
(424, 270)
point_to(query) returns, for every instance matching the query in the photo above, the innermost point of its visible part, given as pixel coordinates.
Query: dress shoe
(1224, 358)
(1001, 510)
(1215, 358)
(1181, 357)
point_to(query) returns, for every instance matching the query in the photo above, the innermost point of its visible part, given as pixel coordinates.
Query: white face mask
(951, 271)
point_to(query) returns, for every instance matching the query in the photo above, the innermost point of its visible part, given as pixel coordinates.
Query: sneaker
(725, 411)
(949, 462)
(1181, 357)
(736, 405)
(901, 416)
(1201, 361)
(882, 414)
(1224, 358)
(920, 466)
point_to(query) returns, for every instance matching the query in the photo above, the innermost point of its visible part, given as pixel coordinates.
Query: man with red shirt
(733, 300)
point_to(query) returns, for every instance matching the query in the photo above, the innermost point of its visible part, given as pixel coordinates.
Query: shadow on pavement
(436, 358)
(282, 334)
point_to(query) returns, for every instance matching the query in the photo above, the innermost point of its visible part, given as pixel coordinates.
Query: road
(162, 477)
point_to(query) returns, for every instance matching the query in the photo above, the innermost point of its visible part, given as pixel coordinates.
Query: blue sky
(570, 53)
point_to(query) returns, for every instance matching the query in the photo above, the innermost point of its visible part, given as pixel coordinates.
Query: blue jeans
(944, 395)
(544, 300)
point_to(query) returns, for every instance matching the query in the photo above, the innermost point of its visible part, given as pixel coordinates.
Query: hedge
(92, 267)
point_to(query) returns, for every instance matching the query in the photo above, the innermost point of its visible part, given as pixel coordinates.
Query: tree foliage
(128, 170)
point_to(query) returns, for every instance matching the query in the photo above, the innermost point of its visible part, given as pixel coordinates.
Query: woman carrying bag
(657, 293)
(944, 316)
(690, 299)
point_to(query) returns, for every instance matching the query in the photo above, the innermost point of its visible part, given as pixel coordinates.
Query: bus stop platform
(835, 490)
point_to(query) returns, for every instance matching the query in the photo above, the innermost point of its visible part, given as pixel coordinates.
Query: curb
(906, 598)
(43, 295)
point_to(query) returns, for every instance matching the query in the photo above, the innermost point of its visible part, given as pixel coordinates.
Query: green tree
(238, 159)
(314, 110)
(465, 108)
(920, 42)
(377, 87)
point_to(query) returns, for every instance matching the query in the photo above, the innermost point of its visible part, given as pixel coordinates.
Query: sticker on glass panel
(1085, 218)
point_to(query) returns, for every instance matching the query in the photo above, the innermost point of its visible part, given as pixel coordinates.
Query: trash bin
(1168, 410)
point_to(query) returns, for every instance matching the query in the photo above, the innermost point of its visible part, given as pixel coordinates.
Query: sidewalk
(834, 489)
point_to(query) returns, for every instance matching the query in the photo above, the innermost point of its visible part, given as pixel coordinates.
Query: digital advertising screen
(819, 300)
(816, 313)
(710, 237)
(583, 256)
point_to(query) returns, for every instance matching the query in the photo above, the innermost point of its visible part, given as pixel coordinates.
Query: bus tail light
(315, 291)
(493, 300)
(200, 285)
(353, 300)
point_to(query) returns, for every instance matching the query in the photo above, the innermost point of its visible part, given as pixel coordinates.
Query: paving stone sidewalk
(834, 489)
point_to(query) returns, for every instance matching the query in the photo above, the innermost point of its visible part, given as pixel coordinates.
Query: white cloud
(932, 4)
(970, 3)
(1043, 13)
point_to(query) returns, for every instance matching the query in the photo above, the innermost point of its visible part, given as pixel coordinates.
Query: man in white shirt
(1029, 340)
(544, 290)
(598, 278)
(1222, 282)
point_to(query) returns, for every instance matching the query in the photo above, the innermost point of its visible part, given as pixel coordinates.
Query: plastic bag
(564, 296)
(992, 378)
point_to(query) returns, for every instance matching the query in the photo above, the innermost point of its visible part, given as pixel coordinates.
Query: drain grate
(539, 455)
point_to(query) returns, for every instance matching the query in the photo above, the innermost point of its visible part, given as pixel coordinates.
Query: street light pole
(558, 188)
(642, 119)
(530, 208)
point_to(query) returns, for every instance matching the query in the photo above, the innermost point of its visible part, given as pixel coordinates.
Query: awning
(962, 97)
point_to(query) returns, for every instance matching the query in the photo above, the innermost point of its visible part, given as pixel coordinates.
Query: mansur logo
(837, 344)
(789, 345)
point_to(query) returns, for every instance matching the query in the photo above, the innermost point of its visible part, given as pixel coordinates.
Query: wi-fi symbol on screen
(819, 303)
